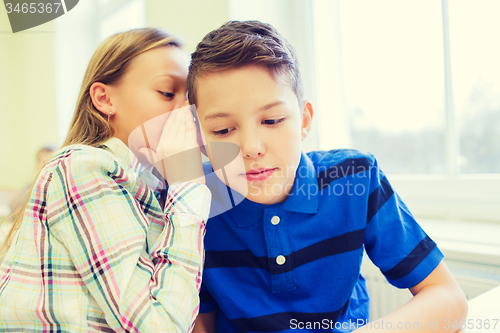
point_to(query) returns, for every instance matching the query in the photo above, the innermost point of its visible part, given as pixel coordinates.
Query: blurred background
(416, 83)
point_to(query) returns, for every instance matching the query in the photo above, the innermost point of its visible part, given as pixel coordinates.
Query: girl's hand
(178, 156)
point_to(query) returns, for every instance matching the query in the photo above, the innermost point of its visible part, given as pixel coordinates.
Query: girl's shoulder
(77, 161)
(79, 153)
(84, 165)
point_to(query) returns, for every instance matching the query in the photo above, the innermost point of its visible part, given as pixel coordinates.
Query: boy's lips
(260, 174)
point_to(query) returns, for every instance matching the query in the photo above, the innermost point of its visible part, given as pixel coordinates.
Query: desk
(483, 307)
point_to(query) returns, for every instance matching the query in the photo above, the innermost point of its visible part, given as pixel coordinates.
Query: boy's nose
(251, 146)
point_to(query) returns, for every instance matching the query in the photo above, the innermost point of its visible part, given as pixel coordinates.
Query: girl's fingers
(177, 157)
(150, 154)
(180, 125)
(179, 133)
(171, 126)
(188, 118)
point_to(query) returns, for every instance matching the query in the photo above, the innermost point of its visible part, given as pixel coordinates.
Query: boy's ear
(100, 95)
(307, 115)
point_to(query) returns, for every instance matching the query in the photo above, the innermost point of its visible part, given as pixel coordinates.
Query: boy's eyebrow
(225, 115)
(216, 115)
(270, 106)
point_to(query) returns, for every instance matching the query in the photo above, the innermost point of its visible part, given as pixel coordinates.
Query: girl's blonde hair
(89, 126)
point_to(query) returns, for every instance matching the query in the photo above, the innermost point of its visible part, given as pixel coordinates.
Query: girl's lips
(259, 174)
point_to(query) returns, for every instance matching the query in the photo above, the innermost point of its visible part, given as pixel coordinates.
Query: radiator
(474, 278)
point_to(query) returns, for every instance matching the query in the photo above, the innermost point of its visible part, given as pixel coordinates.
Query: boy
(288, 256)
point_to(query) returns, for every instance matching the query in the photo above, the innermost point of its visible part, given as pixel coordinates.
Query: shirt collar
(302, 199)
(304, 195)
(122, 152)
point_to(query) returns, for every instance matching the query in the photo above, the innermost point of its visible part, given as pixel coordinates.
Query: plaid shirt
(97, 253)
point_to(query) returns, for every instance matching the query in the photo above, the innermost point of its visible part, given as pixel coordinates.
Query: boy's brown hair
(237, 44)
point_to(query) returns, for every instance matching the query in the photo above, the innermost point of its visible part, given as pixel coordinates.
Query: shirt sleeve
(394, 241)
(97, 211)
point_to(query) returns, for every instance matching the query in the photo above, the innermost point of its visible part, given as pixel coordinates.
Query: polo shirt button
(280, 260)
(275, 220)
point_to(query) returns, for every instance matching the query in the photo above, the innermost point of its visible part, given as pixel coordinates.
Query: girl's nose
(181, 100)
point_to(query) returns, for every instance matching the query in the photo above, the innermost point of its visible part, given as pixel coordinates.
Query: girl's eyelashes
(167, 94)
(272, 121)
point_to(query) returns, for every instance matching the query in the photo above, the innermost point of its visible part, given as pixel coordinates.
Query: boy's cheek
(223, 154)
(227, 162)
(232, 174)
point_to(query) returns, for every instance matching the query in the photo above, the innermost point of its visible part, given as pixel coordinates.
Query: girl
(93, 249)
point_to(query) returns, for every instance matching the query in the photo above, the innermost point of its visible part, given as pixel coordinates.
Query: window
(417, 84)
(393, 82)
(475, 68)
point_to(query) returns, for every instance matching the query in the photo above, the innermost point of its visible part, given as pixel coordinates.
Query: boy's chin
(266, 199)
(261, 194)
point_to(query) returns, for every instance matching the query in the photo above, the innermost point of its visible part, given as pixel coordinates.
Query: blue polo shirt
(296, 264)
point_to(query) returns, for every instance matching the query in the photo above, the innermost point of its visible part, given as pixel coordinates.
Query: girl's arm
(103, 217)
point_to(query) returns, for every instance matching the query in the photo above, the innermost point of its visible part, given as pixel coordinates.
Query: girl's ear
(100, 95)
(307, 115)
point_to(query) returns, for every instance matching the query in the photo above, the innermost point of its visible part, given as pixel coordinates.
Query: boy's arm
(438, 305)
(206, 323)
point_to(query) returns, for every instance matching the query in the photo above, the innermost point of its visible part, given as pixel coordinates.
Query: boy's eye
(223, 131)
(272, 121)
(167, 94)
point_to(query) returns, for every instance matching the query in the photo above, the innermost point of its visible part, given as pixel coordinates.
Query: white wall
(27, 95)
(189, 20)
(76, 39)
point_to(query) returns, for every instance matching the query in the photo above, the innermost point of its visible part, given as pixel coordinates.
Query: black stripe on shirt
(206, 297)
(408, 264)
(349, 241)
(234, 258)
(343, 169)
(378, 198)
(283, 320)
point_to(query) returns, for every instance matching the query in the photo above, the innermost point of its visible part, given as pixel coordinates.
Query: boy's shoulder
(338, 157)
